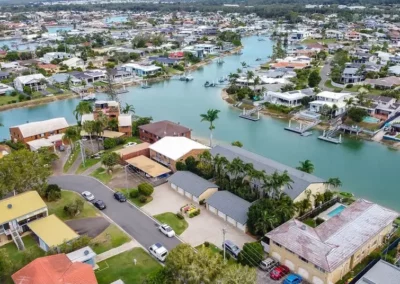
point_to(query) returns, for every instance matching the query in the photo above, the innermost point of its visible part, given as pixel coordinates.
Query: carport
(149, 167)
(106, 134)
(230, 208)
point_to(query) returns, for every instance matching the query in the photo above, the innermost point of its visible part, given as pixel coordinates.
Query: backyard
(122, 267)
(111, 237)
(178, 225)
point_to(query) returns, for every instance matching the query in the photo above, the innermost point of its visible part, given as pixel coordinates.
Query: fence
(317, 210)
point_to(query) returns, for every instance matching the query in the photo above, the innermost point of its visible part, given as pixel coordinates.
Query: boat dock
(302, 129)
(249, 114)
(329, 136)
(351, 129)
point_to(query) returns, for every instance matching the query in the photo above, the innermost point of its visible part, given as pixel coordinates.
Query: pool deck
(324, 215)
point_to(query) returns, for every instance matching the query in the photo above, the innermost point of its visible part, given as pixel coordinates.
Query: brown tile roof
(164, 128)
(55, 269)
(294, 65)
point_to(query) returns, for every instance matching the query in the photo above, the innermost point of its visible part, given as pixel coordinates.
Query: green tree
(6, 265)
(82, 108)
(89, 127)
(139, 122)
(210, 116)
(47, 156)
(314, 79)
(306, 167)
(128, 108)
(273, 185)
(72, 134)
(74, 207)
(110, 160)
(237, 144)
(335, 182)
(357, 114)
(145, 189)
(251, 254)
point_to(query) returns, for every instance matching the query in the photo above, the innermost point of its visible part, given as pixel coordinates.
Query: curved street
(136, 223)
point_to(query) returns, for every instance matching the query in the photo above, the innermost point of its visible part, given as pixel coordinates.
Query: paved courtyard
(204, 227)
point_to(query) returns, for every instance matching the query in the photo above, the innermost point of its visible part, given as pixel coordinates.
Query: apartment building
(155, 131)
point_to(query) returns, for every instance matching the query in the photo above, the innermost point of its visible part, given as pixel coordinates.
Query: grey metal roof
(301, 180)
(191, 183)
(231, 205)
(381, 273)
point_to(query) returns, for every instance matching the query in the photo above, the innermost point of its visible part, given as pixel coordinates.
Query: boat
(89, 97)
(258, 59)
(207, 84)
(222, 79)
(261, 39)
(186, 78)
(144, 85)
(220, 61)
(239, 53)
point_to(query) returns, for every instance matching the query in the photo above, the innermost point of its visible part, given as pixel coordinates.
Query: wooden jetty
(302, 128)
(329, 136)
(249, 114)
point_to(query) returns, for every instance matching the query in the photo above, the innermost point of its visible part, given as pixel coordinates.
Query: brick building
(155, 131)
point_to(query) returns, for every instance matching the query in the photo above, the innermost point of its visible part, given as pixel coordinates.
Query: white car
(166, 230)
(130, 144)
(88, 195)
(158, 251)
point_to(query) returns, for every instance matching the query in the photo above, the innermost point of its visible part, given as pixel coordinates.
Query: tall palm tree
(266, 222)
(210, 116)
(82, 108)
(88, 127)
(334, 109)
(335, 182)
(349, 102)
(128, 109)
(72, 134)
(257, 81)
(239, 70)
(275, 183)
(220, 164)
(244, 64)
(306, 167)
(98, 129)
(249, 76)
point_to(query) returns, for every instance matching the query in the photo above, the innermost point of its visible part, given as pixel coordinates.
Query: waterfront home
(62, 78)
(89, 76)
(206, 48)
(74, 62)
(334, 34)
(15, 214)
(302, 182)
(34, 82)
(50, 56)
(170, 150)
(165, 61)
(141, 70)
(323, 255)
(382, 107)
(5, 89)
(381, 273)
(56, 268)
(383, 83)
(155, 131)
(47, 132)
(330, 99)
(290, 99)
(125, 124)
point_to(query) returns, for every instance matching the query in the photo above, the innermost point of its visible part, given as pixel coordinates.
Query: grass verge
(72, 158)
(88, 164)
(102, 175)
(178, 225)
(111, 237)
(136, 200)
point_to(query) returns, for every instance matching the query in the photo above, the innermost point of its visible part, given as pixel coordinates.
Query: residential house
(323, 255)
(382, 107)
(52, 68)
(35, 82)
(125, 124)
(381, 273)
(170, 150)
(5, 89)
(394, 36)
(206, 48)
(15, 214)
(394, 70)
(4, 75)
(50, 56)
(74, 63)
(141, 70)
(56, 268)
(83, 255)
(290, 99)
(302, 182)
(192, 186)
(353, 36)
(155, 131)
(383, 83)
(165, 61)
(330, 99)
(62, 78)
(120, 75)
(335, 34)
(48, 133)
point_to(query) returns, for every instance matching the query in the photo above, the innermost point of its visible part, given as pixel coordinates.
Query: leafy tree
(357, 114)
(47, 155)
(251, 254)
(74, 207)
(53, 192)
(128, 108)
(6, 265)
(146, 189)
(23, 170)
(210, 116)
(82, 108)
(88, 127)
(110, 160)
(109, 143)
(113, 124)
(180, 166)
(314, 79)
(306, 167)
(237, 144)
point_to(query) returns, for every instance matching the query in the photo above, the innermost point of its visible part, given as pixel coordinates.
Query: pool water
(370, 119)
(336, 211)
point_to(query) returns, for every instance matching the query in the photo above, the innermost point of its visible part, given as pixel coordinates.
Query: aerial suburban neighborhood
(199, 142)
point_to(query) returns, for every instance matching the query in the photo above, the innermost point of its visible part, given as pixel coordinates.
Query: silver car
(88, 195)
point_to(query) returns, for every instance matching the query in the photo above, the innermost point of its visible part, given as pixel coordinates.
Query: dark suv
(119, 196)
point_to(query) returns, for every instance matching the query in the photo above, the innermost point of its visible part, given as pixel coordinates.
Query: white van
(158, 251)
(268, 264)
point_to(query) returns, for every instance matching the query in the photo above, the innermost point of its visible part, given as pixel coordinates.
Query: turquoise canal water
(367, 169)
(55, 29)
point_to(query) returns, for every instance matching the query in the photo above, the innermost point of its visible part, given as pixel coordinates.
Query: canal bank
(367, 169)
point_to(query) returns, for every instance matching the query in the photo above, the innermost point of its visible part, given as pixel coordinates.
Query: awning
(148, 166)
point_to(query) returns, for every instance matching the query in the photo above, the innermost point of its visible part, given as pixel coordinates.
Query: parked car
(88, 195)
(166, 230)
(158, 251)
(119, 196)
(268, 264)
(230, 247)
(293, 279)
(130, 144)
(61, 148)
(100, 204)
(279, 272)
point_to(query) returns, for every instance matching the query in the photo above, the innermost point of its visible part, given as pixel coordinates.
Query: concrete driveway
(92, 227)
(204, 227)
(137, 224)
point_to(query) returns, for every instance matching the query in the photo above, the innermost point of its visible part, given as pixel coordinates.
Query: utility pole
(223, 242)
(82, 152)
(126, 177)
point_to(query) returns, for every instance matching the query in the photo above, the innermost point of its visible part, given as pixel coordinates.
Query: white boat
(220, 61)
(89, 97)
(144, 85)
(186, 77)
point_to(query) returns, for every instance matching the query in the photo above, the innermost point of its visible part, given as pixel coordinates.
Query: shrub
(146, 189)
(180, 216)
(349, 86)
(142, 199)
(251, 254)
(194, 213)
(202, 202)
(319, 221)
(53, 192)
(357, 114)
(109, 143)
(74, 207)
(134, 193)
(206, 244)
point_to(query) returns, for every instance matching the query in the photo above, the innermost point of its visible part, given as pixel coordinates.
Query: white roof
(39, 143)
(125, 120)
(87, 117)
(28, 78)
(292, 95)
(40, 127)
(72, 60)
(329, 104)
(332, 95)
(142, 67)
(176, 147)
(81, 255)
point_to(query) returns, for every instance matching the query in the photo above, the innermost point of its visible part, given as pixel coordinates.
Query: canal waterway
(368, 169)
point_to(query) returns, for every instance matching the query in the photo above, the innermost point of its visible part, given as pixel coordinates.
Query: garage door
(276, 256)
(195, 199)
(222, 215)
(289, 264)
(212, 209)
(188, 195)
(230, 220)
(174, 186)
(317, 280)
(181, 191)
(303, 272)
(241, 227)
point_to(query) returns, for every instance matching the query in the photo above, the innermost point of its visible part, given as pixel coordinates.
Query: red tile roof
(55, 269)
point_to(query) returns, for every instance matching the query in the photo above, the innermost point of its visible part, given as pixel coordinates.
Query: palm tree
(249, 76)
(220, 164)
(334, 109)
(128, 108)
(239, 70)
(275, 183)
(68, 82)
(82, 108)
(210, 116)
(335, 182)
(349, 102)
(98, 129)
(266, 222)
(244, 64)
(88, 127)
(233, 76)
(306, 167)
(257, 81)
(72, 134)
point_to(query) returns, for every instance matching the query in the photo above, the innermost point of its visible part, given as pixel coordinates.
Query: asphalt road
(140, 226)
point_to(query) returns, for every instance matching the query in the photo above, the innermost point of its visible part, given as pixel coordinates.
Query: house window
(303, 259)
(289, 250)
(277, 244)
(319, 268)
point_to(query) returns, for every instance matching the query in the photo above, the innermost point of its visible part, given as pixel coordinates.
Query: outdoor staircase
(17, 240)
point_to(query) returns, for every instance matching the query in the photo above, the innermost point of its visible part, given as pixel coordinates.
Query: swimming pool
(370, 119)
(336, 211)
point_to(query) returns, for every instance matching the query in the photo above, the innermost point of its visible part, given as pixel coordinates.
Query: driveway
(324, 75)
(204, 227)
(92, 227)
(137, 224)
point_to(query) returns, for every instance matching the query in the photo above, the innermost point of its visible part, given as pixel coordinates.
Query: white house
(207, 48)
(334, 34)
(289, 99)
(50, 56)
(141, 70)
(35, 82)
(74, 62)
(330, 99)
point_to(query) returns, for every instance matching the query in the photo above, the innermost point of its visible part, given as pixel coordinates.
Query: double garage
(230, 208)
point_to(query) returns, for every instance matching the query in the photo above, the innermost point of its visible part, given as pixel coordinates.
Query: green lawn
(102, 175)
(213, 249)
(88, 163)
(100, 84)
(322, 41)
(134, 200)
(4, 100)
(72, 158)
(57, 207)
(112, 237)
(128, 139)
(178, 225)
(122, 267)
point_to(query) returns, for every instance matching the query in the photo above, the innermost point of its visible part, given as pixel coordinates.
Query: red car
(278, 272)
